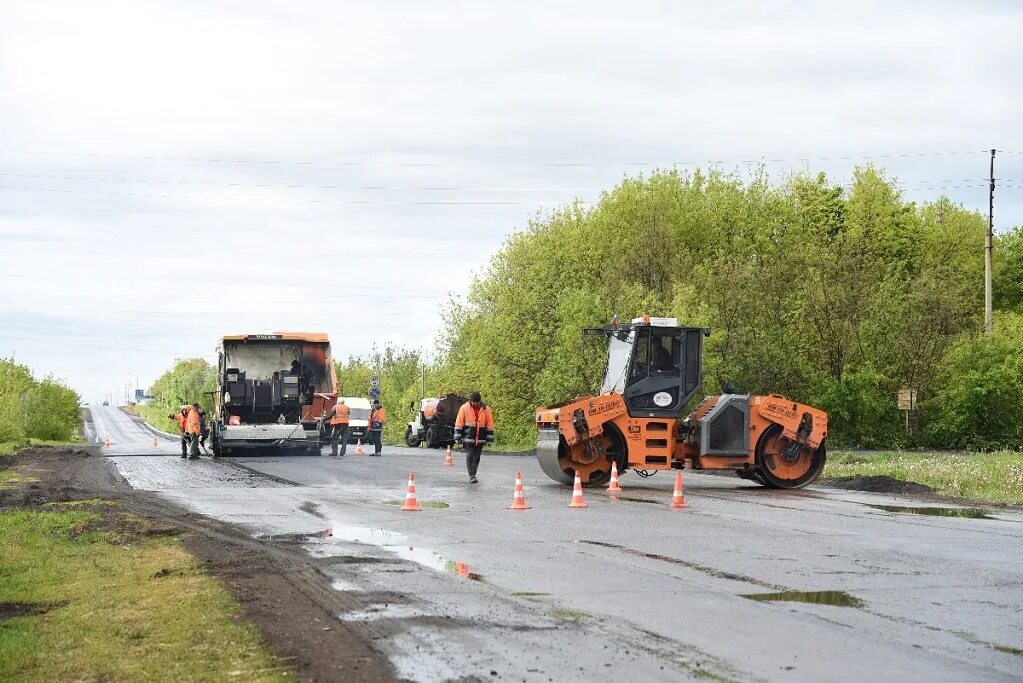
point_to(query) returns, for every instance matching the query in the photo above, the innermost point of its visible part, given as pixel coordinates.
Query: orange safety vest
(180, 419)
(192, 422)
(340, 414)
(378, 415)
(476, 424)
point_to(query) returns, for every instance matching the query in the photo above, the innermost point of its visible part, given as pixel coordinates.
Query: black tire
(411, 440)
(764, 467)
(432, 440)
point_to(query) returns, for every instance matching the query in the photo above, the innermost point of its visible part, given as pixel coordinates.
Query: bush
(30, 409)
(979, 400)
(862, 410)
(51, 411)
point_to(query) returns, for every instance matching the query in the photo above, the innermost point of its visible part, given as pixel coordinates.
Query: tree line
(838, 296)
(33, 408)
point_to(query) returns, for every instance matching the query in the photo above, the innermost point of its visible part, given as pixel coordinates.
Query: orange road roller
(653, 370)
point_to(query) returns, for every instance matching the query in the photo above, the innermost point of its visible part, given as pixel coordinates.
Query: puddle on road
(378, 612)
(392, 542)
(967, 513)
(425, 504)
(835, 598)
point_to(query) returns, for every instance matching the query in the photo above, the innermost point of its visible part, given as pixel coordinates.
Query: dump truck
(273, 391)
(653, 370)
(434, 422)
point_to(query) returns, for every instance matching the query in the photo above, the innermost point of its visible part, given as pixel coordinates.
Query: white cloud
(146, 214)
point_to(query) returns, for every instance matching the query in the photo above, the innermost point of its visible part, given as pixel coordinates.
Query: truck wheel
(411, 439)
(431, 437)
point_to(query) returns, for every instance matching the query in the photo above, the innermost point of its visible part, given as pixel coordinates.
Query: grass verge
(12, 447)
(155, 416)
(989, 477)
(88, 592)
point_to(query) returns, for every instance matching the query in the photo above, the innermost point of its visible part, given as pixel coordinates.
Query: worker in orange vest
(180, 417)
(474, 428)
(339, 428)
(377, 420)
(193, 428)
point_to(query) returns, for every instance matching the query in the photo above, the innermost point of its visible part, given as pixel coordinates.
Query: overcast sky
(174, 171)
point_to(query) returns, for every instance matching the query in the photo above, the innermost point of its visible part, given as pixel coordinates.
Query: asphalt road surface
(625, 589)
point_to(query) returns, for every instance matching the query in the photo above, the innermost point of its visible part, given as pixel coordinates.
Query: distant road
(626, 590)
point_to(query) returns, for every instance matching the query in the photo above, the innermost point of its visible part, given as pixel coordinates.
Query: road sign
(907, 399)
(374, 393)
(374, 381)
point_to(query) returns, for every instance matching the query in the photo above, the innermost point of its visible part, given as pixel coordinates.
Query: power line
(361, 188)
(551, 163)
(143, 286)
(350, 202)
(294, 186)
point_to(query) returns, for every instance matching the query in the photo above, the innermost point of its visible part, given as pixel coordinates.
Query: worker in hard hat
(180, 417)
(339, 428)
(474, 428)
(375, 429)
(193, 428)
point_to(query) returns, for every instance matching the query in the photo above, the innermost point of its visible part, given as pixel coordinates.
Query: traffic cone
(447, 458)
(614, 486)
(411, 504)
(155, 445)
(519, 499)
(358, 447)
(577, 494)
(678, 497)
(106, 442)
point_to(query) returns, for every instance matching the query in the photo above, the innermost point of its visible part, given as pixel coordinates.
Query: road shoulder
(276, 589)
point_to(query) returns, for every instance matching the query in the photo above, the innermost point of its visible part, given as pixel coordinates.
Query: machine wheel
(785, 464)
(411, 440)
(432, 440)
(550, 449)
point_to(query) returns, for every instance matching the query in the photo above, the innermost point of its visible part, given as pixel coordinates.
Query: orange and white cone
(358, 447)
(411, 504)
(678, 497)
(447, 458)
(155, 445)
(614, 486)
(106, 442)
(577, 494)
(519, 499)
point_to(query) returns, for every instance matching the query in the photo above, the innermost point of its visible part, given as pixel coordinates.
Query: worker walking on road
(339, 428)
(181, 417)
(193, 428)
(377, 420)
(474, 428)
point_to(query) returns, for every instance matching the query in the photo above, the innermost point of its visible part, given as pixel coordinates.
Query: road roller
(653, 370)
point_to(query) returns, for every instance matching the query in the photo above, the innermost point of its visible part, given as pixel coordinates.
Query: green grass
(15, 476)
(12, 447)
(115, 605)
(987, 477)
(156, 416)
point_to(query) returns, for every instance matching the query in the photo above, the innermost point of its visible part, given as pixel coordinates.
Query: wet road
(627, 588)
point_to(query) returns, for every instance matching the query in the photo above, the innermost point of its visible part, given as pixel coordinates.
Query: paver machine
(273, 391)
(653, 370)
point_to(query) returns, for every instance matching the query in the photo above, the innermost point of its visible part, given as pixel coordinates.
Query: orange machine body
(770, 439)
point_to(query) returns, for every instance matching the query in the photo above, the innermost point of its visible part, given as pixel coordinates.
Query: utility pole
(988, 239)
